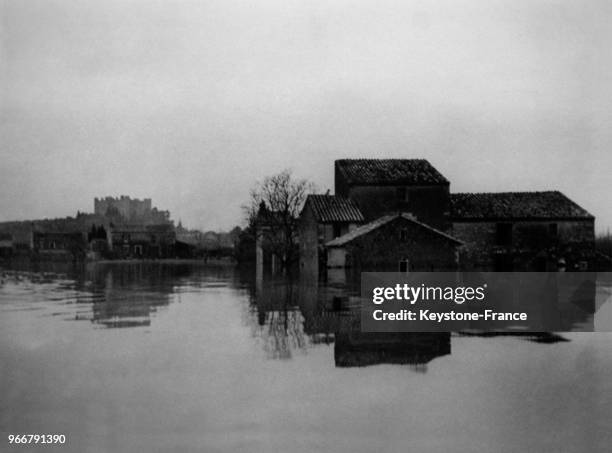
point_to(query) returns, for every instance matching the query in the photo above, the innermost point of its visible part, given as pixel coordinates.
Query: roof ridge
(333, 208)
(383, 220)
(549, 204)
(411, 217)
(509, 192)
(380, 158)
(386, 171)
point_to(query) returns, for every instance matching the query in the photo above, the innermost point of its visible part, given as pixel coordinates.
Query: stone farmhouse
(399, 215)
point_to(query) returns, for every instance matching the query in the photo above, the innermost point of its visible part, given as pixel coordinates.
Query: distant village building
(6, 245)
(188, 243)
(137, 229)
(190, 237)
(144, 241)
(217, 244)
(17, 238)
(210, 240)
(130, 210)
(120, 228)
(60, 245)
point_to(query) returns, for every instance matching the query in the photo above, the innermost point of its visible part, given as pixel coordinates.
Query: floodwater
(186, 357)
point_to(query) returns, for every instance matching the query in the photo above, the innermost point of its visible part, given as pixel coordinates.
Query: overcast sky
(190, 103)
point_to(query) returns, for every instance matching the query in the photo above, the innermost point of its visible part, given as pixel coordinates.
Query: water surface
(186, 357)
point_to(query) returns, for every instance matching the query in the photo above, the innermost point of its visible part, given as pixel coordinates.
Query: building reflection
(126, 294)
(123, 295)
(357, 349)
(292, 315)
(287, 317)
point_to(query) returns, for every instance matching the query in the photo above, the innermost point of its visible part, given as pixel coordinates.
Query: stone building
(143, 241)
(528, 231)
(120, 227)
(129, 210)
(402, 199)
(382, 186)
(323, 218)
(60, 245)
(6, 245)
(394, 243)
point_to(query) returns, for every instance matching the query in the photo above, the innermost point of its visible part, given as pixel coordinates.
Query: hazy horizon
(191, 103)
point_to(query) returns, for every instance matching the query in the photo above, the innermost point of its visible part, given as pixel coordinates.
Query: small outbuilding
(323, 218)
(395, 243)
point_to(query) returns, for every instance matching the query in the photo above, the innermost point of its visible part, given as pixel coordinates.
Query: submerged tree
(273, 209)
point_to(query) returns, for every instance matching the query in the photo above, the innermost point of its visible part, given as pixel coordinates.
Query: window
(503, 262)
(337, 303)
(404, 266)
(337, 230)
(504, 234)
(403, 234)
(552, 230)
(400, 193)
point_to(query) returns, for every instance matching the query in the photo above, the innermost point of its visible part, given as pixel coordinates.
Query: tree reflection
(293, 315)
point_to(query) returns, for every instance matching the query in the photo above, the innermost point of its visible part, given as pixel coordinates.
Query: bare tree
(273, 209)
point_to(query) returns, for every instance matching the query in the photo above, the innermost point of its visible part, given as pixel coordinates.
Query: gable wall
(429, 204)
(382, 249)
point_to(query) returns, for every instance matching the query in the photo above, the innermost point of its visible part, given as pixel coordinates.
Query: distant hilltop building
(130, 210)
(119, 228)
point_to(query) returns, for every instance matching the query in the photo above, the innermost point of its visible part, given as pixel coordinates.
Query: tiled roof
(330, 208)
(389, 171)
(368, 227)
(515, 205)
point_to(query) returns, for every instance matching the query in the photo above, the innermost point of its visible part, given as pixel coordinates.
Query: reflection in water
(283, 332)
(114, 295)
(128, 294)
(277, 317)
(294, 315)
(535, 337)
(198, 377)
(287, 317)
(355, 349)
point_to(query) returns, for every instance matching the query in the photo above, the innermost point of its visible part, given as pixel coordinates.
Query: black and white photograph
(304, 226)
